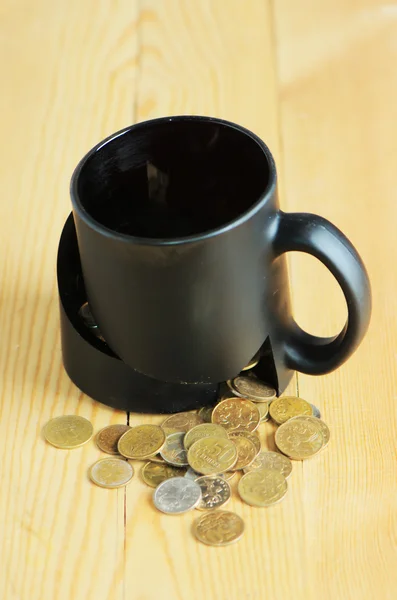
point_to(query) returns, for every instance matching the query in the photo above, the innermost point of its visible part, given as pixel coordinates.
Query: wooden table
(317, 81)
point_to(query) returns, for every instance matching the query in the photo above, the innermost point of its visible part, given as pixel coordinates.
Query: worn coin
(251, 436)
(153, 474)
(108, 438)
(263, 408)
(205, 413)
(271, 460)
(236, 414)
(252, 363)
(182, 421)
(177, 495)
(215, 492)
(68, 431)
(263, 487)
(141, 441)
(218, 528)
(202, 431)
(316, 411)
(212, 455)
(287, 407)
(299, 438)
(111, 472)
(173, 451)
(323, 427)
(252, 388)
(246, 451)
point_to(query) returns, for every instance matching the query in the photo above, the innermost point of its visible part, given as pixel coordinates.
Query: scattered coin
(287, 407)
(316, 411)
(153, 474)
(177, 495)
(108, 438)
(252, 363)
(212, 455)
(202, 431)
(205, 413)
(263, 408)
(251, 436)
(218, 528)
(173, 451)
(323, 427)
(68, 431)
(215, 492)
(271, 460)
(252, 388)
(263, 487)
(111, 472)
(299, 438)
(141, 441)
(181, 422)
(246, 451)
(236, 414)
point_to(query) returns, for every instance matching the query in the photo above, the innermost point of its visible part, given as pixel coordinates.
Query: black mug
(182, 246)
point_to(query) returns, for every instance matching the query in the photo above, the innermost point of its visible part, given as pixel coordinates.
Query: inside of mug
(173, 178)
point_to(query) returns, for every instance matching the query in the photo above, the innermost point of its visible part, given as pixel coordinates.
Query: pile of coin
(191, 457)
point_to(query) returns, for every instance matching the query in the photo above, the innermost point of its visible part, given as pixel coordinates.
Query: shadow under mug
(182, 247)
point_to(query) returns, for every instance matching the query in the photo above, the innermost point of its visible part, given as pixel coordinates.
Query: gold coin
(141, 441)
(236, 414)
(111, 472)
(181, 422)
(215, 492)
(271, 460)
(299, 438)
(263, 487)
(157, 458)
(252, 363)
(153, 474)
(228, 475)
(205, 413)
(212, 455)
(108, 438)
(218, 528)
(202, 431)
(173, 451)
(263, 408)
(321, 425)
(287, 407)
(252, 388)
(246, 450)
(68, 431)
(251, 436)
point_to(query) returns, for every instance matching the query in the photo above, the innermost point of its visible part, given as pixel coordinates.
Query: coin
(108, 437)
(251, 436)
(246, 451)
(263, 408)
(141, 441)
(177, 495)
(215, 492)
(218, 528)
(316, 411)
(111, 472)
(252, 363)
(212, 455)
(271, 460)
(263, 487)
(287, 407)
(236, 414)
(173, 451)
(205, 413)
(323, 427)
(253, 389)
(157, 458)
(153, 474)
(68, 431)
(202, 431)
(228, 475)
(181, 422)
(299, 438)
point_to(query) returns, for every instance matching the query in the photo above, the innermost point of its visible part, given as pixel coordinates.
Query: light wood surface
(317, 81)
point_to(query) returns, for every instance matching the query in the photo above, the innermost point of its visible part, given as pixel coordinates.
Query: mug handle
(304, 232)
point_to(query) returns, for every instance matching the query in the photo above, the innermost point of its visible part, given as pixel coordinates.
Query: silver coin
(215, 492)
(177, 495)
(192, 474)
(173, 451)
(316, 412)
(271, 460)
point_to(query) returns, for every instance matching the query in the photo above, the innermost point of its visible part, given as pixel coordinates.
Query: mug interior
(172, 178)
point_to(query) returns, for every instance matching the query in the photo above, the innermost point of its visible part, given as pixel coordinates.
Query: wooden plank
(338, 87)
(68, 74)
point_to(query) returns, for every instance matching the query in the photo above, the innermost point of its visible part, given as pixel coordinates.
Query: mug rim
(85, 216)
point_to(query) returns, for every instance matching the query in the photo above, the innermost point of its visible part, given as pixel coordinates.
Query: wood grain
(317, 81)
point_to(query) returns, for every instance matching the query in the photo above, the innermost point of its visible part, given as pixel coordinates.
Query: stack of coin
(192, 456)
